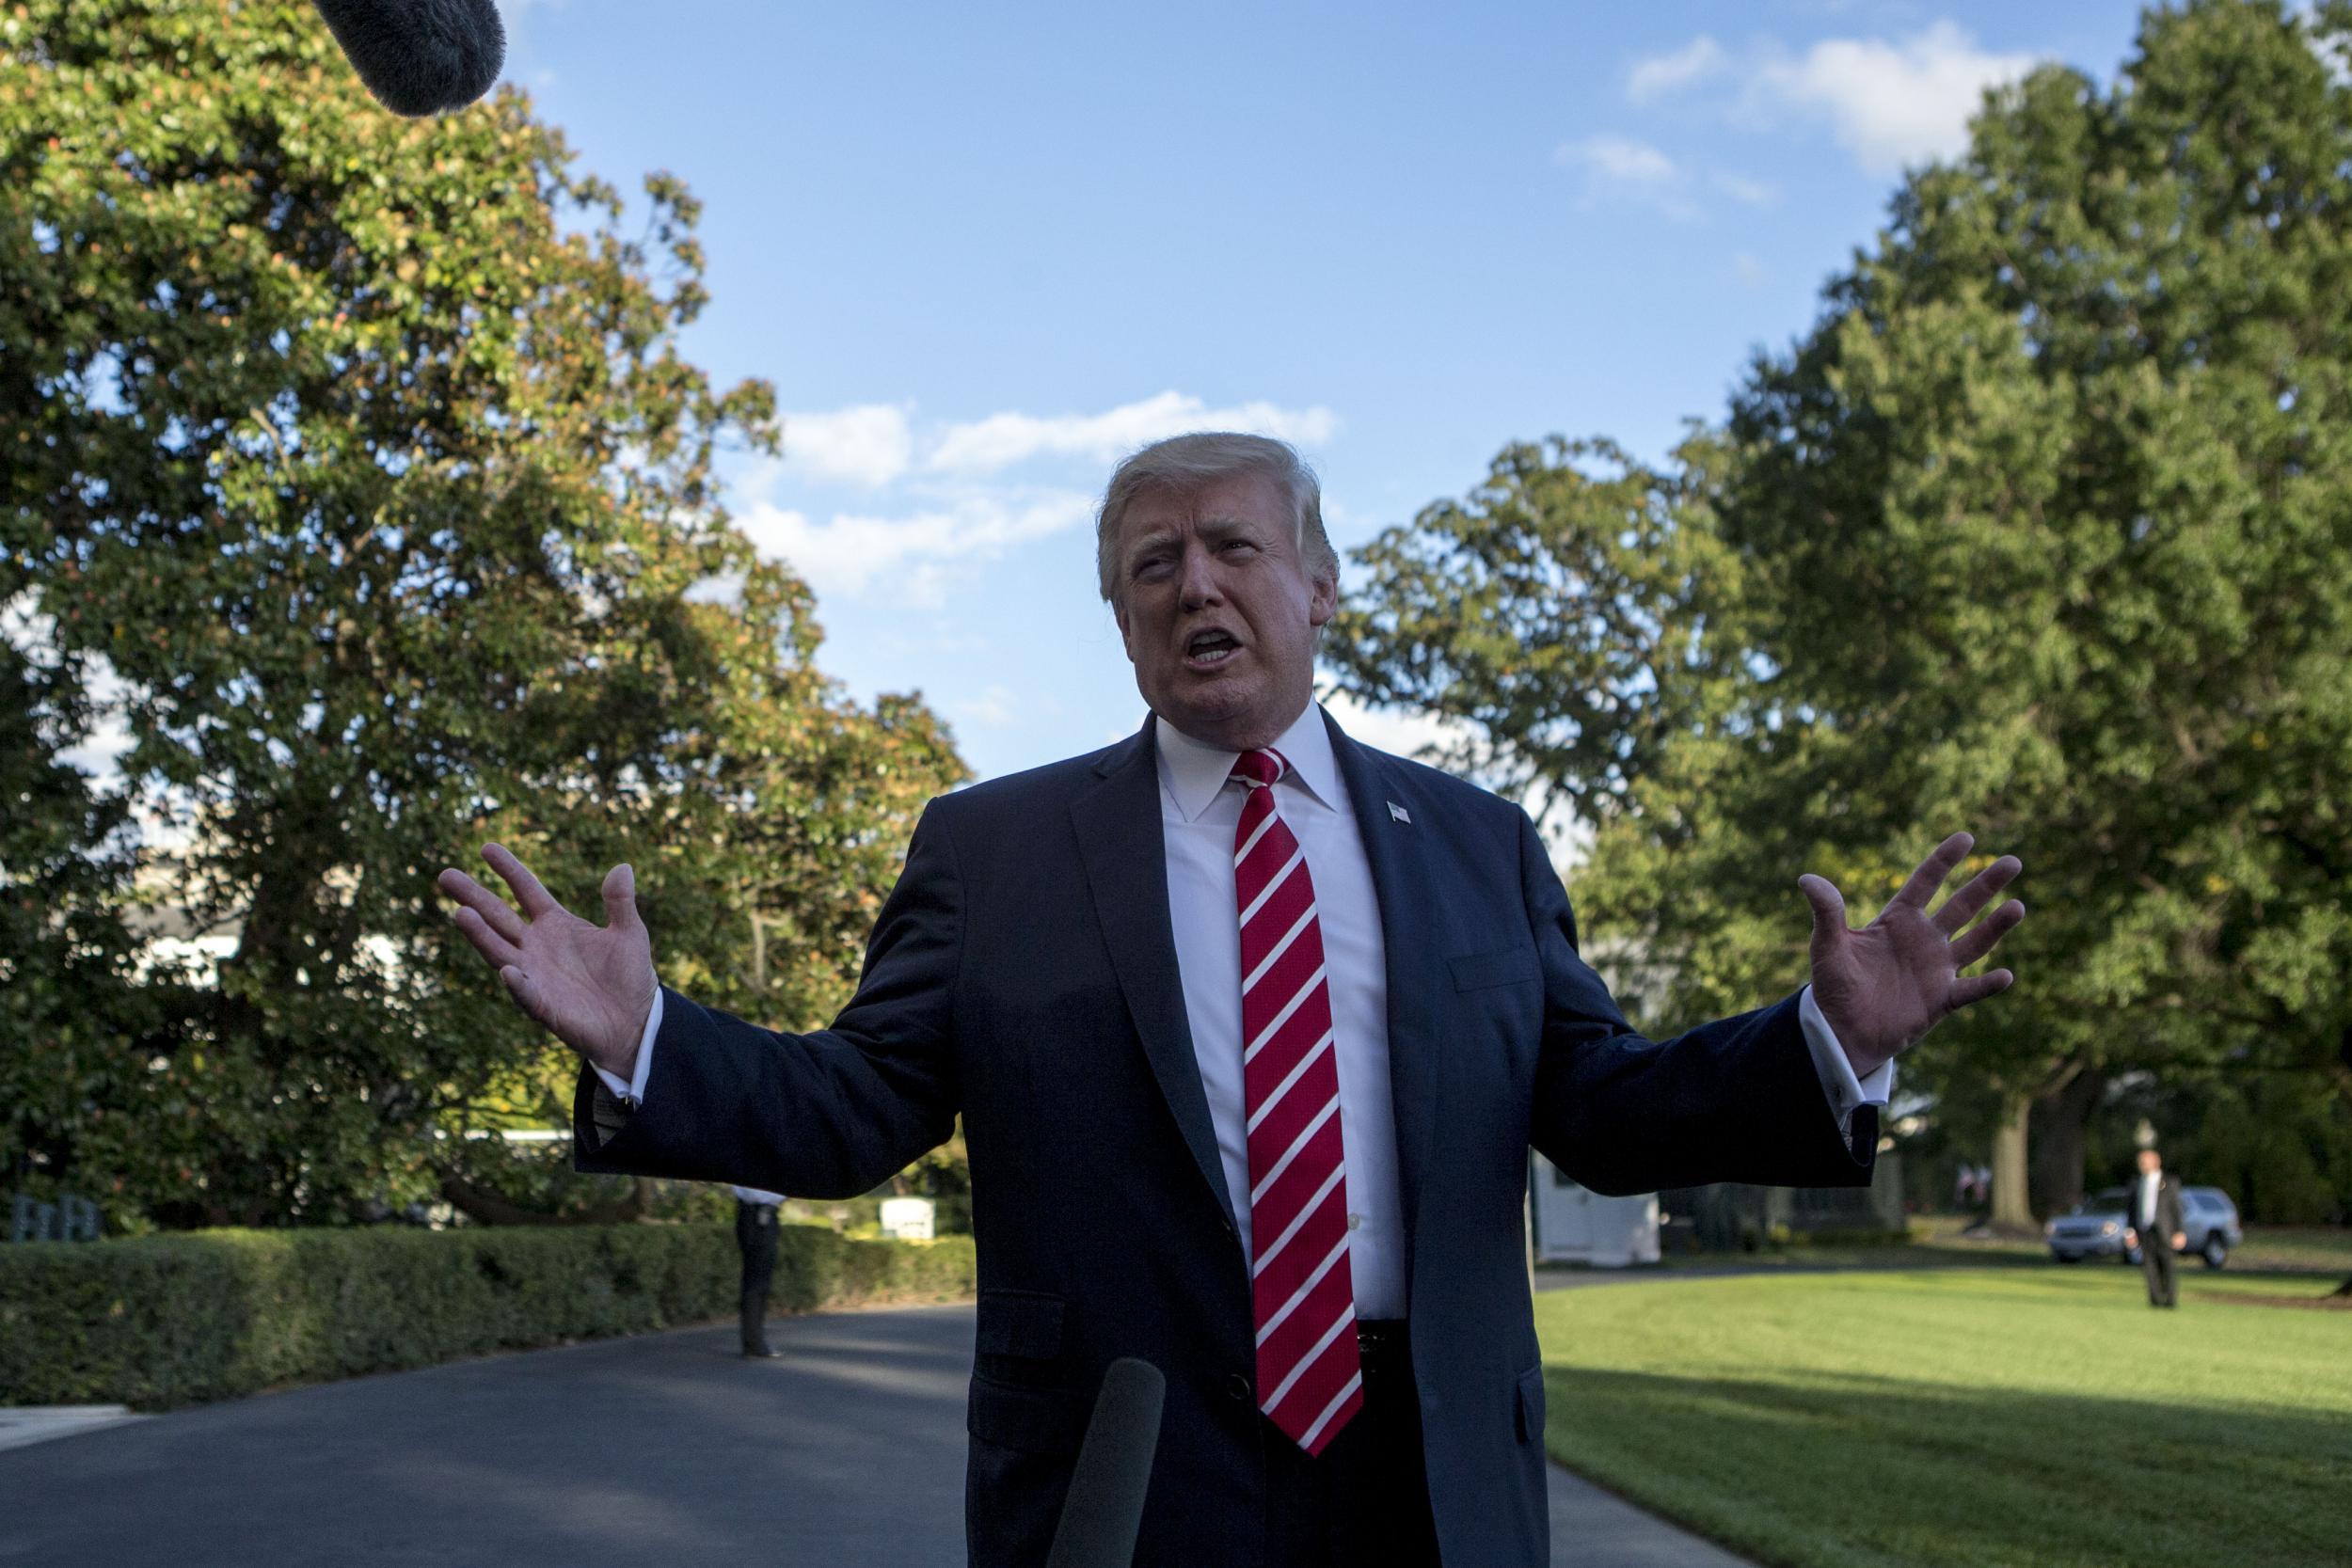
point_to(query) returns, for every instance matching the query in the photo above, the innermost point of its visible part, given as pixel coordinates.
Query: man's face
(1217, 611)
(2149, 1160)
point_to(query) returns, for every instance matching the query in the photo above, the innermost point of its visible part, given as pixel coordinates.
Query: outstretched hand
(591, 986)
(1884, 986)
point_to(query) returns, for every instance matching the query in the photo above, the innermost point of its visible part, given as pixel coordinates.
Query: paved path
(23, 1424)
(663, 1449)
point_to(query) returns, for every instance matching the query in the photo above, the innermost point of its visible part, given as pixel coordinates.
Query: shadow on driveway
(665, 1449)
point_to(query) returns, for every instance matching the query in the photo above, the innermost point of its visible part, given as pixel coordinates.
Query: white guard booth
(1575, 1226)
(907, 1218)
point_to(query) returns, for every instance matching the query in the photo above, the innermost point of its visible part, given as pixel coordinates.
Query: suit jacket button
(1237, 1387)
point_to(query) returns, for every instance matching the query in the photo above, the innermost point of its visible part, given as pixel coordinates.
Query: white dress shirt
(1200, 806)
(2149, 1180)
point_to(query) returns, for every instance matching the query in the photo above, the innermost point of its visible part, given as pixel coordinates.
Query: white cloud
(1892, 104)
(1620, 159)
(940, 504)
(1001, 440)
(1635, 170)
(1695, 61)
(1747, 268)
(848, 552)
(995, 706)
(1621, 167)
(869, 444)
(1756, 193)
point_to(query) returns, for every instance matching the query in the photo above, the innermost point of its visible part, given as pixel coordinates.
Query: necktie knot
(1259, 769)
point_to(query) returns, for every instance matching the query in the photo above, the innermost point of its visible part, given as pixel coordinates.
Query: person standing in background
(756, 1234)
(2157, 1228)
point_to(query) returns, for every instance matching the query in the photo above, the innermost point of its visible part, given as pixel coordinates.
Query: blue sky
(981, 252)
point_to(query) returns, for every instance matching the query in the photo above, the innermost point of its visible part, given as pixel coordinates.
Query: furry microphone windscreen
(420, 57)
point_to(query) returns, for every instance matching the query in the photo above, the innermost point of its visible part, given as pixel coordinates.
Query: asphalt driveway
(664, 1450)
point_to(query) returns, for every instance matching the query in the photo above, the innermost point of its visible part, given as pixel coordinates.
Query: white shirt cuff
(633, 1092)
(1846, 1092)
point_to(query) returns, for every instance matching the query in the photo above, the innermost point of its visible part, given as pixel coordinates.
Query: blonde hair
(1186, 463)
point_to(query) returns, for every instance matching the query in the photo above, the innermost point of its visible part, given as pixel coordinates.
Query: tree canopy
(364, 456)
(2044, 530)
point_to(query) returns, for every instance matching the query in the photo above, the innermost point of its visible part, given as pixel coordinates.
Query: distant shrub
(169, 1320)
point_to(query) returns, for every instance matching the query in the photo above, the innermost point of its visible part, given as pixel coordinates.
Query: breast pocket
(1504, 966)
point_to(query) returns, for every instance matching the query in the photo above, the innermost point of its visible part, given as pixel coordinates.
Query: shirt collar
(1193, 772)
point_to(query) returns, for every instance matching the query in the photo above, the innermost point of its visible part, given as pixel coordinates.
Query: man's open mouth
(1207, 650)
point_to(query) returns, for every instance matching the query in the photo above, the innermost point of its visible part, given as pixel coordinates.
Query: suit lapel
(1405, 879)
(1122, 839)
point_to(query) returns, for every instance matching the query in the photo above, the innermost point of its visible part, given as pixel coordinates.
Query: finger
(535, 899)
(1829, 910)
(493, 947)
(1938, 866)
(1986, 934)
(1962, 906)
(620, 899)
(1976, 988)
(524, 989)
(494, 911)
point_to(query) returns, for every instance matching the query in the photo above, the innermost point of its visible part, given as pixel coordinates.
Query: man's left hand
(1884, 986)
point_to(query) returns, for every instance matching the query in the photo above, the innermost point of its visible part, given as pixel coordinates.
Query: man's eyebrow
(1213, 528)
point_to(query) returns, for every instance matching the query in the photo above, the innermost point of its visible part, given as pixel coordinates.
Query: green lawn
(2327, 1249)
(1958, 1416)
(1938, 1239)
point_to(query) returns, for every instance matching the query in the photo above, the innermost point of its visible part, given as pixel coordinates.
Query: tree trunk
(2012, 1209)
(2063, 1118)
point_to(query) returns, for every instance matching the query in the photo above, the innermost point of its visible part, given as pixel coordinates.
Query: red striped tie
(1310, 1372)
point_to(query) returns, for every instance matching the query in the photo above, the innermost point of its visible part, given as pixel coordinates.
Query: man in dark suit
(2157, 1228)
(1250, 1027)
(756, 1238)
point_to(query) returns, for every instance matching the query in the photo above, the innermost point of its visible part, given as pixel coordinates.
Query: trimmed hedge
(163, 1321)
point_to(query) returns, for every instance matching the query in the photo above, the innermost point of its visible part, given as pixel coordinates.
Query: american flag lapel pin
(1399, 813)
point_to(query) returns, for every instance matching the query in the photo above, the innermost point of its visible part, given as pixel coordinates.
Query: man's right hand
(592, 986)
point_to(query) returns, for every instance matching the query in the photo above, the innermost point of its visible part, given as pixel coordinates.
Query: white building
(1572, 1225)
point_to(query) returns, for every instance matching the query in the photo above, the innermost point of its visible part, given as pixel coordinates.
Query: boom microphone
(420, 57)
(1099, 1521)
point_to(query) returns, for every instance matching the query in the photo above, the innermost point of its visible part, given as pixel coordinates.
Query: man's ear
(1322, 600)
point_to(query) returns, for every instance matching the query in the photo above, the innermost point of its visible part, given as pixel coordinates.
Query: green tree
(67, 955)
(2042, 531)
(1565, 613)
(363, 452)
(2050, 518)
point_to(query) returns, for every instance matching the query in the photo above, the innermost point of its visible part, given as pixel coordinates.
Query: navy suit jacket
(1022, 973)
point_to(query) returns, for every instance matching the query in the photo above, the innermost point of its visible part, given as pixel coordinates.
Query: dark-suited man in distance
(1250, 1027)
(756, 1240)
(2157, 1228)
